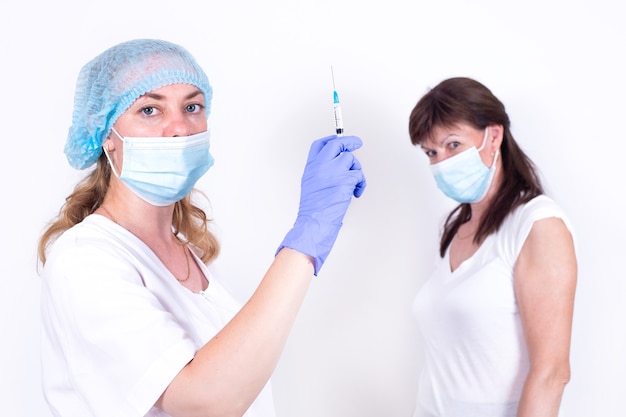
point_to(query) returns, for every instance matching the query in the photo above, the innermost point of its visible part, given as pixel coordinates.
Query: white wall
(558, 66)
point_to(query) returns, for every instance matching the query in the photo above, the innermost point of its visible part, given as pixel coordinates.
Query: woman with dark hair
(496, 313)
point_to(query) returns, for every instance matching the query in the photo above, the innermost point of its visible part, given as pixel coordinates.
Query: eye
(454, 144)
(194, 108)
(430, 153)
(148, 111)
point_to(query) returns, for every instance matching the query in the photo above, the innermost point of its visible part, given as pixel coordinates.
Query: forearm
(229, 371)
(542, 393)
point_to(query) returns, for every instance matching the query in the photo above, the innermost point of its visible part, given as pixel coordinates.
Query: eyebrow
(445, 138)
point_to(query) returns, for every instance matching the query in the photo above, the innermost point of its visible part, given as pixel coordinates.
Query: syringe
(336, 107)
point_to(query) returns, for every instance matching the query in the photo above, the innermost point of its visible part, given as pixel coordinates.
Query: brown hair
(188, 219)
(463, 100)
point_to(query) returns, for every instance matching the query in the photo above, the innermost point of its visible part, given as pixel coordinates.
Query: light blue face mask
(464, 177)
(163, 170)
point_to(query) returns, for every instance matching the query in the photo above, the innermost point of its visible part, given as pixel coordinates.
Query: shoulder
(542, 206)
(90, 247)
(95, 233)
(528, 217)
(548, 250)
(539, 208)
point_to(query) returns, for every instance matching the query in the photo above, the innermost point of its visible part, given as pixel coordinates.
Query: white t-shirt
(118, 327)
(476, 356)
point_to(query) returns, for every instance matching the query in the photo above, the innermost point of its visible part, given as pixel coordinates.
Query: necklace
(182, 245)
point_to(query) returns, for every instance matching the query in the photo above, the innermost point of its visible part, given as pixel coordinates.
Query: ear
(109, 144)
(495, 136)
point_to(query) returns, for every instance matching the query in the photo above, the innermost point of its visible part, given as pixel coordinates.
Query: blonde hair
(188, 220)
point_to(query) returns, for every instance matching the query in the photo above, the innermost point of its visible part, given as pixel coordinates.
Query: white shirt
(118, 327)
(476, 356)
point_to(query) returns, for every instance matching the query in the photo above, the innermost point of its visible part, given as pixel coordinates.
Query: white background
(557, 65)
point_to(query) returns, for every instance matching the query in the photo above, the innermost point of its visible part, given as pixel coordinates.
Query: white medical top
(118, 327)
(476, 356)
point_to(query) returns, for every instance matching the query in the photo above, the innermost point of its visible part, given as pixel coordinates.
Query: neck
(149, 223)
(479, 209)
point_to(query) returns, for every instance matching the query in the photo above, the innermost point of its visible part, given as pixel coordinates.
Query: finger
(345, 160)
(355, 177)
(317, 145)
(349, 161)
(358, 178)
(356, 164)
(334, 146)
(359, 189)
(361, 183)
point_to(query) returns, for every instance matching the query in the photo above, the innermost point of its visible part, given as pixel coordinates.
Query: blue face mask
(163, 170)
(464, 177)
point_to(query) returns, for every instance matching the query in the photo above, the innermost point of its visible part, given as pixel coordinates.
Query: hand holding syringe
(332, 176)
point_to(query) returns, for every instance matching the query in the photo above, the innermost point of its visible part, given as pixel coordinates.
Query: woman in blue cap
(135, 321)
(496, 313)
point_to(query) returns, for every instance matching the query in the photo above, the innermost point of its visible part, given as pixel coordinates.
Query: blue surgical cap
(110, 83)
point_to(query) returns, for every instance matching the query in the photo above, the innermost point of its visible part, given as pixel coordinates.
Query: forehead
(178, 88)
(439, 134)
(172, 91)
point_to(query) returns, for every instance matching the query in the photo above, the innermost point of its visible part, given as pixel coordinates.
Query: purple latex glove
(332, 175)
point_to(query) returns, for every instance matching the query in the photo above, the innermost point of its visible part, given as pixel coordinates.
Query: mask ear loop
(481, 146)
(106, 153)
(496, 155)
